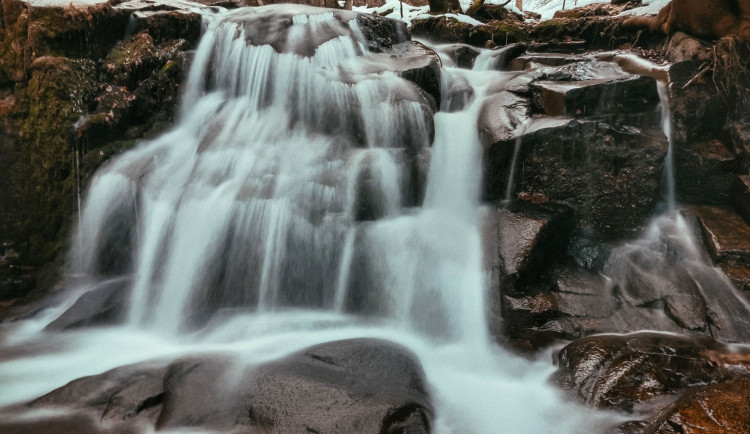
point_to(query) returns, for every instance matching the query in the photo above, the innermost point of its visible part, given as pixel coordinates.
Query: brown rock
(530, 235)
(727, 236)
(625, 371)
(717, 408)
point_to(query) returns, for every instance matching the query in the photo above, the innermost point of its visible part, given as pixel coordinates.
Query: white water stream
(280, 213)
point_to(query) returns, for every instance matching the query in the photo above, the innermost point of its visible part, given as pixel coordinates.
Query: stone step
(725, 233)
(633, 94)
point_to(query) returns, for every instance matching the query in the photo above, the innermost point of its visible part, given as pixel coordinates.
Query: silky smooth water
(288, 207)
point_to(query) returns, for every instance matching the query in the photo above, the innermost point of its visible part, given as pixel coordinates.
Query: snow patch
(63, 3)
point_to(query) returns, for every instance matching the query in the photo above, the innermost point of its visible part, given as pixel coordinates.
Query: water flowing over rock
(354, 385)
(337, 226)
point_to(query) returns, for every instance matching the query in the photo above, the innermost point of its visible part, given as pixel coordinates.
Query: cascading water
(668, 267)
(283, 211)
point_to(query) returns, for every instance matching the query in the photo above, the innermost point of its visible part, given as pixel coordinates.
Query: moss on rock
(56, 96)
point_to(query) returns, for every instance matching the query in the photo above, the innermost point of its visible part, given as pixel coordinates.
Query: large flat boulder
(357, 385)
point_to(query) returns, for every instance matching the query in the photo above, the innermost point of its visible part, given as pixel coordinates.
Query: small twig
(705, 67)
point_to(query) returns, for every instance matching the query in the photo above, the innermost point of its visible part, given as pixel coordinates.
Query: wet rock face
(623, 371)
(608, 174)
(669, 383)
(582, 133)
(130, 60)
(359, 385)
(723, 407)
(103, 305)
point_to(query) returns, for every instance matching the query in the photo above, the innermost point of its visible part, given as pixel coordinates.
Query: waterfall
(288, 207)
(666, 126)
(667, 265)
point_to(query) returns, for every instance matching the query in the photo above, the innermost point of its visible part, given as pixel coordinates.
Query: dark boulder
(106, 304)
(608, 174)
(462, 55)
(633, 94)
(530, 236)
(698, 111)
(126, 395)
(346, 386)
(357, 385)
(415, 62)
(704, 172)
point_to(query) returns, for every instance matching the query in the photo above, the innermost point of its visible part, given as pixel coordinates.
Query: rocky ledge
(360, 385)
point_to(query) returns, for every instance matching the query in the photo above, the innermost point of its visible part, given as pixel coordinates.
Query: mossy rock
(441, 29)
(74, 31)
(598, 32)
(13, 41)
(57, 94)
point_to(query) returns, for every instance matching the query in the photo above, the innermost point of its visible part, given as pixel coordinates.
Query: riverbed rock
(633, 372)
(347, 386)
(462, 55)
(357, 385)
(105, 304)
(130, 394)
(415, 62)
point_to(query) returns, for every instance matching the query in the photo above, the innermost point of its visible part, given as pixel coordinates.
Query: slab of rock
(357, 385)
(130, 394)
(627, 371)
(529, 236)
(726, 234)
(104, 305)
(719, 408)
(610, 175)
(634, 94)
(462, 55)
(704, 172)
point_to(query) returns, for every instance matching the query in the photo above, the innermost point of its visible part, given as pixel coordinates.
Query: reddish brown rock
(628, 371)
(717, 408)
(727, 236)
